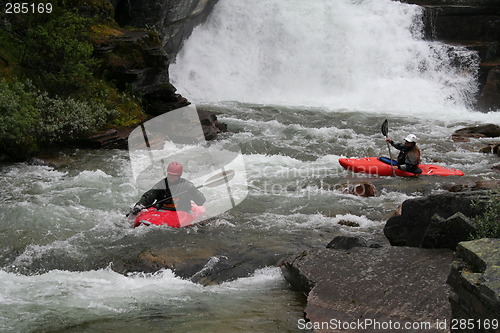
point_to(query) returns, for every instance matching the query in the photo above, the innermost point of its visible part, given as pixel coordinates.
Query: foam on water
(49, 300)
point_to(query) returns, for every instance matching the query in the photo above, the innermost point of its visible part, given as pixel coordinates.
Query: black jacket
(180, 195)
(408, 156)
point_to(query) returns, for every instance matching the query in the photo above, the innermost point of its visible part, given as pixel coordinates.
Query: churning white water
(353, 63)
(365, 55)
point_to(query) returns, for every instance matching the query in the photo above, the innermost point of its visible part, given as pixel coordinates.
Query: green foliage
(9, 52)
(89, 8)
(19, 118)
(68, 119)
(487, 224)
(52, 89)
(58, 55)
(29, 118)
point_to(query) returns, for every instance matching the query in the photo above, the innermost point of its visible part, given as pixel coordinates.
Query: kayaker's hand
(137, 208)
(388, 140)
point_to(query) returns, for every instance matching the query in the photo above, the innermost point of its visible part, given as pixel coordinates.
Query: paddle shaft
(170, 197)
(165, 199)
(385, 131)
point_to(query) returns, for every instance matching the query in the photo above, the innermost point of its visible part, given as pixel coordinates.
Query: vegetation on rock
(53, 84)
(30, 118)
(487, 224)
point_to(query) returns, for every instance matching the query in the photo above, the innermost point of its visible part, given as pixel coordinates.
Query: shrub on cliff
(487, 224)
(30, 118)
(58, 55)
(19, 118)
(69, 119)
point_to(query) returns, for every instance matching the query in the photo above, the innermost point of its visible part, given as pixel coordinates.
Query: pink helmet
(175, 168)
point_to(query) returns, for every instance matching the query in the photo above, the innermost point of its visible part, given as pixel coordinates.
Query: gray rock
(347, 242)
(489, 98)
(416, 226)
(386, 284)
(175, 19)
(480, 131)
(475, 279)
(448, 232)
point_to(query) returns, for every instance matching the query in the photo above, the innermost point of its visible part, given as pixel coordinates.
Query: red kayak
(175, 219)
(376, 166)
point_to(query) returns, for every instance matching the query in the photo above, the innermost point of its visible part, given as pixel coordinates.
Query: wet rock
(54, 160)
(160, 98)
(480, 131)
(109, 139)
(349, 223)
(136, 61)
(473, 186)
(448, 232)
(487, 184)
(490, 94)
(347, 242)
(206, 265)
(475, 279)
(364, 189)
(389, 283)
(492, 148)
(174, 19)
(210, 124)
(430, 221)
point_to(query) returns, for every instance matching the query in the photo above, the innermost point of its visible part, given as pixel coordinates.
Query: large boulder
(475, 279)
(365, 286)
(479, 131)
(433, 222)
(134, 60)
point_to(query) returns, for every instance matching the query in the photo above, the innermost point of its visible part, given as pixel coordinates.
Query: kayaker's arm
(150, 196)
(196, 196)
(146, 200)
(157, 192)
(398, 146)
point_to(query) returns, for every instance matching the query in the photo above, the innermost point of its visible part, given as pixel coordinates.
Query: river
(299, 86)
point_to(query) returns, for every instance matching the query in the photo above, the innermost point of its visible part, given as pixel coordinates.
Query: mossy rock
(481, 253)
(102, 34)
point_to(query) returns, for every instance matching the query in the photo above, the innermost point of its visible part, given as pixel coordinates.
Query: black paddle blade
(385, 128)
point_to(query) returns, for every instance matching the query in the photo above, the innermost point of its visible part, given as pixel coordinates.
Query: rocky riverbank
(352, 281)
(475, 279)
(387, 284)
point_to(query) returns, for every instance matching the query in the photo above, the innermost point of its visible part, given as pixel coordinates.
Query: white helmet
(411, 138)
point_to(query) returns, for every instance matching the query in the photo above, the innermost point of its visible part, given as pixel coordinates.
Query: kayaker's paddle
(385, 132)
(214, 181)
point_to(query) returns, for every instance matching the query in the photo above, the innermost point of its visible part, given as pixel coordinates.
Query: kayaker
(409, 154)
(171, 193)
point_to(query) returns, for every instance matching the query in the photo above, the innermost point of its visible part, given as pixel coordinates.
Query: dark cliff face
(474, 24)
(174, 19)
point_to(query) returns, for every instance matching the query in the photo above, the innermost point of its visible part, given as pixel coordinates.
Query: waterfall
(344, 54)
